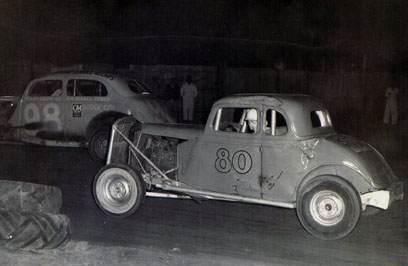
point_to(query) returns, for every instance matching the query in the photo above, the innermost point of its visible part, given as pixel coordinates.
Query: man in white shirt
(188, 92)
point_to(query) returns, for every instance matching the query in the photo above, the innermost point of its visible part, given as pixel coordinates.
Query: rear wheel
(328, 207)
(98, 146)
(98, 133)
(118, 190)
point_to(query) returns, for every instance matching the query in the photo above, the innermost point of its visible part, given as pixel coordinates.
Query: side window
(241, 120)
(320, 119)
(85, 87)
(275, 123)
(46, 88)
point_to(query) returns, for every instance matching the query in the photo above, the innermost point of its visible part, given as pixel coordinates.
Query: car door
(86, 98)
(230, 158)
(281, 156)
(42, 110)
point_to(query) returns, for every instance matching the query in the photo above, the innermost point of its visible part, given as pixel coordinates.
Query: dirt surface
(183, 232)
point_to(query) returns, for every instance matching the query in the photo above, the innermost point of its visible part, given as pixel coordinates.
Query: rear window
(320, 119)
(46, 88)
(138, 87)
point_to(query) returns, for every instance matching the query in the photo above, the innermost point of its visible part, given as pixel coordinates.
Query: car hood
(179, 131)
(149, 109)
(363, 158)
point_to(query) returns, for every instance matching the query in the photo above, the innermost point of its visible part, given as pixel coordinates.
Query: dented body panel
(293, 142)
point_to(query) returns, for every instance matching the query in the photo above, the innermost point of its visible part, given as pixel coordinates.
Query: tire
(33, 230)
(118, 190)
(29, 197)
(98, 146)
(98, 133)
(328, 207)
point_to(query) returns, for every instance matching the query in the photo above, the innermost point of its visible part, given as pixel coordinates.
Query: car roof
(297, 108)
(273, 99)
(119, 83)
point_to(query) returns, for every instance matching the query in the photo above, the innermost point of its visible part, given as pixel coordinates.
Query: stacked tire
(29, 216)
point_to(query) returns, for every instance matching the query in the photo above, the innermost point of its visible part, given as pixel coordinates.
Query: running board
(220, 196)
(166, 195)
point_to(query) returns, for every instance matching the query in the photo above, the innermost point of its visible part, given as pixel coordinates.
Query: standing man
(188, 92)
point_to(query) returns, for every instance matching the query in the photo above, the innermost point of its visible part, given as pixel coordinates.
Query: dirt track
(182, 232)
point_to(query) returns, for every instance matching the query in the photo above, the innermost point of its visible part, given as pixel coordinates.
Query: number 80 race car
(78, 108)
(271, 149)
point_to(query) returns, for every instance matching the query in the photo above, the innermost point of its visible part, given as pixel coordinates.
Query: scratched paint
(308, 149)
(269, 182)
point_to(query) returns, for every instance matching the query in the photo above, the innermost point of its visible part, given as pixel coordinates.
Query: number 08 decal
(241, 161)
(50, 112)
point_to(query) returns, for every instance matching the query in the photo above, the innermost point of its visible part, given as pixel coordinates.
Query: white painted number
(31, 113)
(51, 114)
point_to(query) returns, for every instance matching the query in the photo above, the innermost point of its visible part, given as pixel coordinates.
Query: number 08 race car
(78, 108)
(273, 149)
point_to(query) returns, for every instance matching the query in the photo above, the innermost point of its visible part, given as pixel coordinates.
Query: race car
(77, 109)
(271, 149)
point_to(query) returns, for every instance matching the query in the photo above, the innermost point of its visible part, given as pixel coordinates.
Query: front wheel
(328, 207)
(118, 190)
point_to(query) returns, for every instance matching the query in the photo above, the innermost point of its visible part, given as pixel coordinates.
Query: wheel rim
(327, 208)
(116, 190)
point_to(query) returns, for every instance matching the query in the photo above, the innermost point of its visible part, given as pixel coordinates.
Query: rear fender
(102, 121)
(358, 181)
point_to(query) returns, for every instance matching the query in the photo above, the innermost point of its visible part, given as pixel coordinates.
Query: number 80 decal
(241, 161)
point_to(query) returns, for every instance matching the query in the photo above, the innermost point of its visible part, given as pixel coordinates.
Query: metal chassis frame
(162, 181)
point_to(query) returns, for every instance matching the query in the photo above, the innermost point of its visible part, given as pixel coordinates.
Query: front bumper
(383, 198)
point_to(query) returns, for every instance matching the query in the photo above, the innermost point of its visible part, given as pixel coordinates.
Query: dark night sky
(240, 32)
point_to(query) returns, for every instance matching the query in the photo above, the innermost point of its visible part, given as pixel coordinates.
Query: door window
(46, 88)
(241, 120)
(275, 123)
(85, 87)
